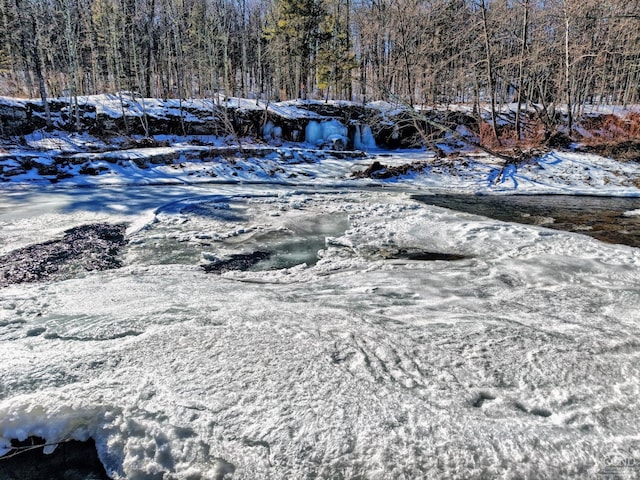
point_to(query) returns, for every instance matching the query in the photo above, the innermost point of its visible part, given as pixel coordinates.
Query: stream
(263, 332)
(600, 217)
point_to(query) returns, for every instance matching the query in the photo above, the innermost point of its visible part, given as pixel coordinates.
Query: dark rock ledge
(82, 249)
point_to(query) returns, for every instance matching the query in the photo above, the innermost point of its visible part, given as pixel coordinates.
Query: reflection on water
(225, 233)
(600, 217)
(298, 243)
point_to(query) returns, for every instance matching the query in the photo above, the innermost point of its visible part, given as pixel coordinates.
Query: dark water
(599, 217)
(71, 460)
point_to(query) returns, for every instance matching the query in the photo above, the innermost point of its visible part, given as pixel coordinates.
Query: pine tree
(336, 59)
(292, 33)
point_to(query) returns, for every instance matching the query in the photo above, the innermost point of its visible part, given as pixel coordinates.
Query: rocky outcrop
(238, 261)
(378, 170)
(84, 248)
(392, 126)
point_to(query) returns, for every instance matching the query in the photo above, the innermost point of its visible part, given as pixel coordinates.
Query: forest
(421, 52)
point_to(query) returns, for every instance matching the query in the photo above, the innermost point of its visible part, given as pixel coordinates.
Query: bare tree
(523, 50)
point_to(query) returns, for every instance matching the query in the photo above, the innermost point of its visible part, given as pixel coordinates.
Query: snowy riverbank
(68, 160)
(518, 359)
(375, 336)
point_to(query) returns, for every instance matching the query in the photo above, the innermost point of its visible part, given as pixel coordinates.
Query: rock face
(13, 118)
(82, 249)
(392, 126)
(378, 170)
(71, 460)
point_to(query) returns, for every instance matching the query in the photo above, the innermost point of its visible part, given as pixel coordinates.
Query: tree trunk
(37, 66)
(490, 76)
(523, 50)
(567, 68)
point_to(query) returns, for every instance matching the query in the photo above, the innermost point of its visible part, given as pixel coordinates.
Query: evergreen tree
(293, 33)
(336, 59)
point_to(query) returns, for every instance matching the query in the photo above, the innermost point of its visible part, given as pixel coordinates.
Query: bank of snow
(181, 162)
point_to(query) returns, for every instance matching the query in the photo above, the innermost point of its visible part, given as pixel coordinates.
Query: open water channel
(608, 219)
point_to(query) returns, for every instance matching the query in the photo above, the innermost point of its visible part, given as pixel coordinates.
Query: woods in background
(547, 52)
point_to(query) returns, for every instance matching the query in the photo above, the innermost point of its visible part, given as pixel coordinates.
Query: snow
(520, 359)
(59, 142)
(555, 172)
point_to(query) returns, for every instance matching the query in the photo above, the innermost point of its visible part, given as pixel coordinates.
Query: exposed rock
(84, 248)
(379, 171)
(371, 170)
(12, 172)
(422, 255)
(93, 171)
(347, 111)
(12, 119)
(145, 142)
(407, 253)
(239, 261)
(45, 169)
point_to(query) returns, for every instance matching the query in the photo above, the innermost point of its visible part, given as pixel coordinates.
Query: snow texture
(519, 361)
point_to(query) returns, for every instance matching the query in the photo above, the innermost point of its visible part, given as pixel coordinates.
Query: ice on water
(521, 360)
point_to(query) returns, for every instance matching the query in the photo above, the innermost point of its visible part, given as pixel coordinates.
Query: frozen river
(514, 354)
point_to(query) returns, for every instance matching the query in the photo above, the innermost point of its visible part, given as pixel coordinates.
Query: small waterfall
(363, 139)
(329, 131)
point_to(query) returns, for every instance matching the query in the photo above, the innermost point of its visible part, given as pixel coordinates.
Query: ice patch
(331, 131)
(632, 213)
(267, 131)
(363, 139)
(55, 422)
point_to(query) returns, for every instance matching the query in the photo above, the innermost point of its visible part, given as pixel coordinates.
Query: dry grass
(532, 135)
(611, 128)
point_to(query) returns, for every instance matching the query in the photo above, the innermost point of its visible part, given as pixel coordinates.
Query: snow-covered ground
(520, 359)
(294, 164)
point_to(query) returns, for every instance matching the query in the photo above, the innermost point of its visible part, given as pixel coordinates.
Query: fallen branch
(15, 451)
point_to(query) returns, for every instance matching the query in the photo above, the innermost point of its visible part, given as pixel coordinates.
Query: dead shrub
(611, 127)
(633, 122)
(486, 135)
(532, 135)
(506, 135)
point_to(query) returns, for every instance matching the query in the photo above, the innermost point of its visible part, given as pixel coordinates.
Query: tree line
(422, 52)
